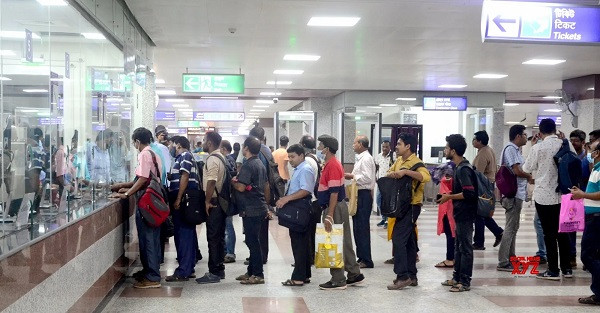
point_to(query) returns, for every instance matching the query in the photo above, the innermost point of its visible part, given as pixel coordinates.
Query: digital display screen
(445, 103)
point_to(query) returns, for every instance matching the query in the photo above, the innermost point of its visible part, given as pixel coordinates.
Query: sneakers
(498, 240)
(331, 286)
(506, 268)
(253, 280)
(365, 265)
(175, 278)
(146, 284)
(568, 274)
(230, 258)
(478, 247)
(390, 261)
(548, 275)
(414, 282)
(355, 280)
(400, 284)
(208, 278)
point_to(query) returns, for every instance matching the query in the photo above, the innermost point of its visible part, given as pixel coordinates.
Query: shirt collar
(362, 154)
(597, 166)
(410, 158)
(214, 152)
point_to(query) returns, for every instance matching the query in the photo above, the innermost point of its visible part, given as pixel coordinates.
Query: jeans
(378, 199)
(539, 232)
(340, 216)
(405, 248)
(480, 224)
(549, 216)
(300, 246)
(590, 250)
(229, 236)
(513, 207)
(149, 240)
(252, 226)
(449, 239)
(362, 227)
(215, 235)
(463, 255)
(185, 244)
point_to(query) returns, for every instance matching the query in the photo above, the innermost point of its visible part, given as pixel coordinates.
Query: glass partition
(295, 124)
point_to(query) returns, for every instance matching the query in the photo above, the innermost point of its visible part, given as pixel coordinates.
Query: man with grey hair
(364, 174)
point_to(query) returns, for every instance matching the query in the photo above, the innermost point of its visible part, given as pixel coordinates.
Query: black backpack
(225, 198)
(486, 198)
(569, 168)
(276, 183)
(397, 194)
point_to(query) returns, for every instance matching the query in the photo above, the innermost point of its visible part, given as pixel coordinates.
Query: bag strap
(224, 172)
(414, 168)
(155, 165)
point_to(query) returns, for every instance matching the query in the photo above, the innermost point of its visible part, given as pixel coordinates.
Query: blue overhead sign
(540, 22)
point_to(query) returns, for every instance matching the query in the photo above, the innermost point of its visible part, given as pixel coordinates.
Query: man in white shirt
(383, 161)
(547, 199)
(364, 174)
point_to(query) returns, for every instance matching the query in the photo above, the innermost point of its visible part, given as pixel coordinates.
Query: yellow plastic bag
(330, 247)
(390, 229)
(352, 195)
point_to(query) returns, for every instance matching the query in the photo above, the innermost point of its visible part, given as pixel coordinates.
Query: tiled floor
(492, 291)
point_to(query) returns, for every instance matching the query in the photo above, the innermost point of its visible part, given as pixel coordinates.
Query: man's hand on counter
(118, 196)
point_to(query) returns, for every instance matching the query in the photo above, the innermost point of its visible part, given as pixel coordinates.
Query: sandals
(444, 264)
(253, 280)
(460, 288)
(590, 300)
(449, 283)
(291, 283)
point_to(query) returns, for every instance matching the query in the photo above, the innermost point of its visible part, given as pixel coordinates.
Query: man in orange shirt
(281, 158)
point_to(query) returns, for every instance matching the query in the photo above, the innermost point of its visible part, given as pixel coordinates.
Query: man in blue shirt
(590, 242)
(302, 185)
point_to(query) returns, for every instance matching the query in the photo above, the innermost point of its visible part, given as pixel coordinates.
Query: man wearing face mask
(590, 242)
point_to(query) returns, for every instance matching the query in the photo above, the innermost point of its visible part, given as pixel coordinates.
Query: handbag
(506, 180)
(352, 194)
(330, 246)
(572, 215)
(295, 214)
(192, 208)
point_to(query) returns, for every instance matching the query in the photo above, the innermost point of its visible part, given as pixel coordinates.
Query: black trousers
(405, 248)
(315, 217)
(549, 217)
(300, 248)
(264, 239)
(215, 235)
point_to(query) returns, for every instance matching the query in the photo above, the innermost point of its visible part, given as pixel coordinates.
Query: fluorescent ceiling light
(165, 92)
(43, 114)
(52, 2)
(544, 62)
(510, 104)
(114, 99)
(450, 86)
(333, 21)
(264, 101)
(180, 105)
(230, 98)
(185, 110)
(279, 82)
(553, 110)
(490, 76)
(125, 104)
(513, 123)
(552, 97)
(267, 93)
(591, 89)
(406, 99)
(159, 81)
(388, 105)
(361, 111)
(29, 110)
(260, 106)
(175, 100)
(374, 107)
(93, 36)
(288, 72)
(7, 53)
(17, 34)
(301, 57)
(4, 78)
(35, 90)
(257, 110)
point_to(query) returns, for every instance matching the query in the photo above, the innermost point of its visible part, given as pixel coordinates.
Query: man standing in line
(464, 199)
(547, 200)
(512, 158)
(229, 230)
(383, 161)
(485, 162)
(404, 236)
(281, 158)
(212, 181)
(577, 138)
(364, 174)
(331, 198)
(309, 145)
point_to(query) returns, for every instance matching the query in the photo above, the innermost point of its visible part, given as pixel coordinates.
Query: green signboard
(213, 83)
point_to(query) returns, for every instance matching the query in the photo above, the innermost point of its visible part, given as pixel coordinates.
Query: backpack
(153, 207)
(276, 183)
(316, 190)
(226, 201)
(486, 199)
(506, 180)
(569, 168)
(397, 194)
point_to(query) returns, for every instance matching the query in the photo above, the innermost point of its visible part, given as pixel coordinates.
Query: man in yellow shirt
(404, 236)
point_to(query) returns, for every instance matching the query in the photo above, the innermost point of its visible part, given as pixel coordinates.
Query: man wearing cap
(331, 198)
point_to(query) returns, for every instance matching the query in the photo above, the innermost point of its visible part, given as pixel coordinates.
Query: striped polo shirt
(184, 163)
(593, 206)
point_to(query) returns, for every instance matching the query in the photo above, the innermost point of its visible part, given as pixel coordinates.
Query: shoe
(146, 284)
(543, 261)
(380, 224)
(208, 278)
(414, 282)
(365, 265)
(175, 278)
(221, 274)
(356, 280)
(449, 283)
(548, 275)
(243, 277)
(385, 226)
(390, 261)
(400, 284)
(253, 280)
(331, 286)
(593, 300)
(498, 240)
(478, 247)
(139, 275)
(229, 259)
(573, 263)
(568, 274)
(506, 268)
